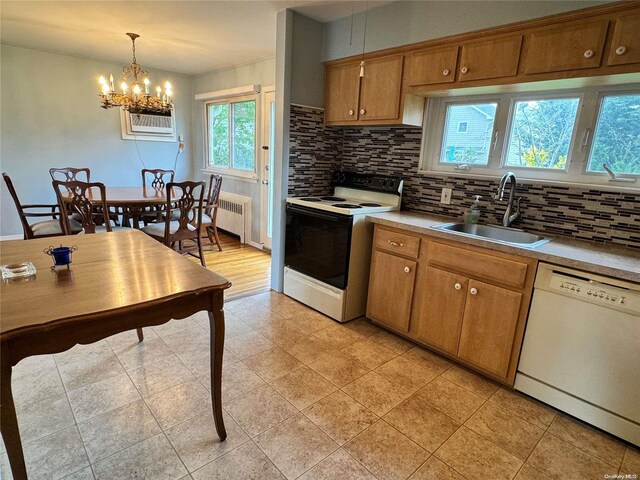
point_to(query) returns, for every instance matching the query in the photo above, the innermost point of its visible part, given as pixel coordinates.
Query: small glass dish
(16, 270)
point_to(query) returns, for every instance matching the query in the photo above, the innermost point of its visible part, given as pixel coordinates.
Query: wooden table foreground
(117, 282)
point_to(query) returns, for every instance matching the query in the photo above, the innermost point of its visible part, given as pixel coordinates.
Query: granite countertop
(614, 261)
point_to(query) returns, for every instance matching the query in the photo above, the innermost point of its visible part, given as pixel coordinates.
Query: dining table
(116, 282)
(131, 202)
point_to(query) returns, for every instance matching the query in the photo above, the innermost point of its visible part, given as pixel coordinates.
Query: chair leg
(215, 234)
(202, 260)
(140, 334)
(209, 232)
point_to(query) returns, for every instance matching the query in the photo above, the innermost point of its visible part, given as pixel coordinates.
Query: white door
(266, 165)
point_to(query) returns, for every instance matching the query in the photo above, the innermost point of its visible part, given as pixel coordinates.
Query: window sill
(249, 177)
(604, 186)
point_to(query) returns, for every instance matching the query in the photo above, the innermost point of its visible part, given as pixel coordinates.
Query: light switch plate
(445, 197)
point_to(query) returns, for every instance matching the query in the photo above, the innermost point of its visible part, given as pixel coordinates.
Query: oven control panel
(366, 181)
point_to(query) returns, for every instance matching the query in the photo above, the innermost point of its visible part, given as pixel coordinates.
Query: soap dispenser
(473, 214)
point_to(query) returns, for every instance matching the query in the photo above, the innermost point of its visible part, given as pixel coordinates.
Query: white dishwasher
(581, 349)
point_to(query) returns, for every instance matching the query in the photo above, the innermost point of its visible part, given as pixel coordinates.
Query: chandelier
(132, 98)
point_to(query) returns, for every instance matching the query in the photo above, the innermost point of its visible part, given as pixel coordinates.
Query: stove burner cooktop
(310, 199)
(368, 204)
(333, 199)
(346, 205)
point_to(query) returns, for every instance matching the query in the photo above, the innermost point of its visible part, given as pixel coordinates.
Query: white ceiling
(189, 37)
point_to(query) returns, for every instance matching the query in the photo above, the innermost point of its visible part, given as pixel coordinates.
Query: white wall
(405, 22)
(261, 72)
(50, 117)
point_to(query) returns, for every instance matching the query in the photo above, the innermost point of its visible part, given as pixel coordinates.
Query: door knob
(350, 112)
(588, 54)
(362, 111)
(473, 291)
(407, 269)
(457, 286)
(464, 69)
(445, 72)
(265, 182)
(265, 147)
(621, 50)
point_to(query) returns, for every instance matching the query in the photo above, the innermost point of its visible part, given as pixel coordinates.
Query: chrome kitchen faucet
(509, 217)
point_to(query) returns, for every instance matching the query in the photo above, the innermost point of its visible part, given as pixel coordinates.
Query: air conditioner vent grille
(141, 120)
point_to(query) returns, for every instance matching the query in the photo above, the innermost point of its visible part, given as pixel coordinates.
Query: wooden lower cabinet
(461, 309)
(438, 308)
(391, 290)
(488, 326)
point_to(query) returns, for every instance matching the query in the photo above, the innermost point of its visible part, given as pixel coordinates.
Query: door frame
(266, 174)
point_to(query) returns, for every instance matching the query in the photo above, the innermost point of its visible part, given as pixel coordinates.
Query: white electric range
(328, 242)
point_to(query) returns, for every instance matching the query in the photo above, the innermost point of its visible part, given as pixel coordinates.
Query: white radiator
(234, 215)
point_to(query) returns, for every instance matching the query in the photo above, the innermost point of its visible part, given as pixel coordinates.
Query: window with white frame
(231, 135)
(566, 136)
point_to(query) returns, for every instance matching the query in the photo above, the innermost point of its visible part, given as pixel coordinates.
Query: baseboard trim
(10, 237)
(259, 246)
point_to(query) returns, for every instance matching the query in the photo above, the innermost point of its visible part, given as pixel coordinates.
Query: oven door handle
(332, 217)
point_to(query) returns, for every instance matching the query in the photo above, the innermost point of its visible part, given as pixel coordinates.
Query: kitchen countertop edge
(618, 262)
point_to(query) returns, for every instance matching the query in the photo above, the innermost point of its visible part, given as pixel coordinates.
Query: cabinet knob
(446, 72)
(473, 291)
(407, 269)
(464, 69)
(457, 286)
(350, 112)
(588, 54)
(362, 111)
(395, 244)
(621, 50)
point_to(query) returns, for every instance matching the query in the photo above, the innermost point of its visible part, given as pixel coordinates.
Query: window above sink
(560, 136)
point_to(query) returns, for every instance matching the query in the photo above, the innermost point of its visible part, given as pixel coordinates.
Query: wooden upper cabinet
(381, 88)
(625, 43)
(494, 58)
(391, 290)
(568, 46)
(341, 91)
(428, 67)
(437, 315)
(488, 326)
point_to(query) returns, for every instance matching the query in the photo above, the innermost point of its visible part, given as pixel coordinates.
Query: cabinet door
(428, 67)
(381, 89)
(391, 290)
(493, 58)
(438, 310)
(569, 46)
(488, 326)
(625, 44)
(341, 89)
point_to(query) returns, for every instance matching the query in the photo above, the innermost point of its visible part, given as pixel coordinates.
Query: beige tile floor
(303, 396)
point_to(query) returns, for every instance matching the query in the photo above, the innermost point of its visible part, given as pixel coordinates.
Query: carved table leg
(216, 329)
(8, 419)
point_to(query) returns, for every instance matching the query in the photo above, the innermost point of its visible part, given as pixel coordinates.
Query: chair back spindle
(158, 177)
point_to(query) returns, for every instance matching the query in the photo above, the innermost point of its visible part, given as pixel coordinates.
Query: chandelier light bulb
(123, 86)
(102, 80)
(136, 89)
(159, 91)
(167, 86)
(146, 85)
(105, 89)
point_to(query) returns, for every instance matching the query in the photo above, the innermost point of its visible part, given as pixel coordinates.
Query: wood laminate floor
(248, 268)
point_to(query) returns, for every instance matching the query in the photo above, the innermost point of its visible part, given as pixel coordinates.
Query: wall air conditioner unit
(148, 126)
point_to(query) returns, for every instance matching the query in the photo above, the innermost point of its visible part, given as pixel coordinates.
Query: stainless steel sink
(511, 236)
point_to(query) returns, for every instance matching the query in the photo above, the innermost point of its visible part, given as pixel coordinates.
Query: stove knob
(369, 181)
(392, 183)
(384, 183)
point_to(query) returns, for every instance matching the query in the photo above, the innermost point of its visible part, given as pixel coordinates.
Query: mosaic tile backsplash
(586, 214)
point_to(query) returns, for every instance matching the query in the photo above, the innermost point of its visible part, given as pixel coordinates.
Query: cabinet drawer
(487, 267)
(395, 242)
(569, 46)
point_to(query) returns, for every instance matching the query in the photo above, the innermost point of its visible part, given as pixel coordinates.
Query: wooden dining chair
(46, 228)
(90, 209)
(70, 174)
(210, 211)
(82, 201)
(156, 178)
(183, 219)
